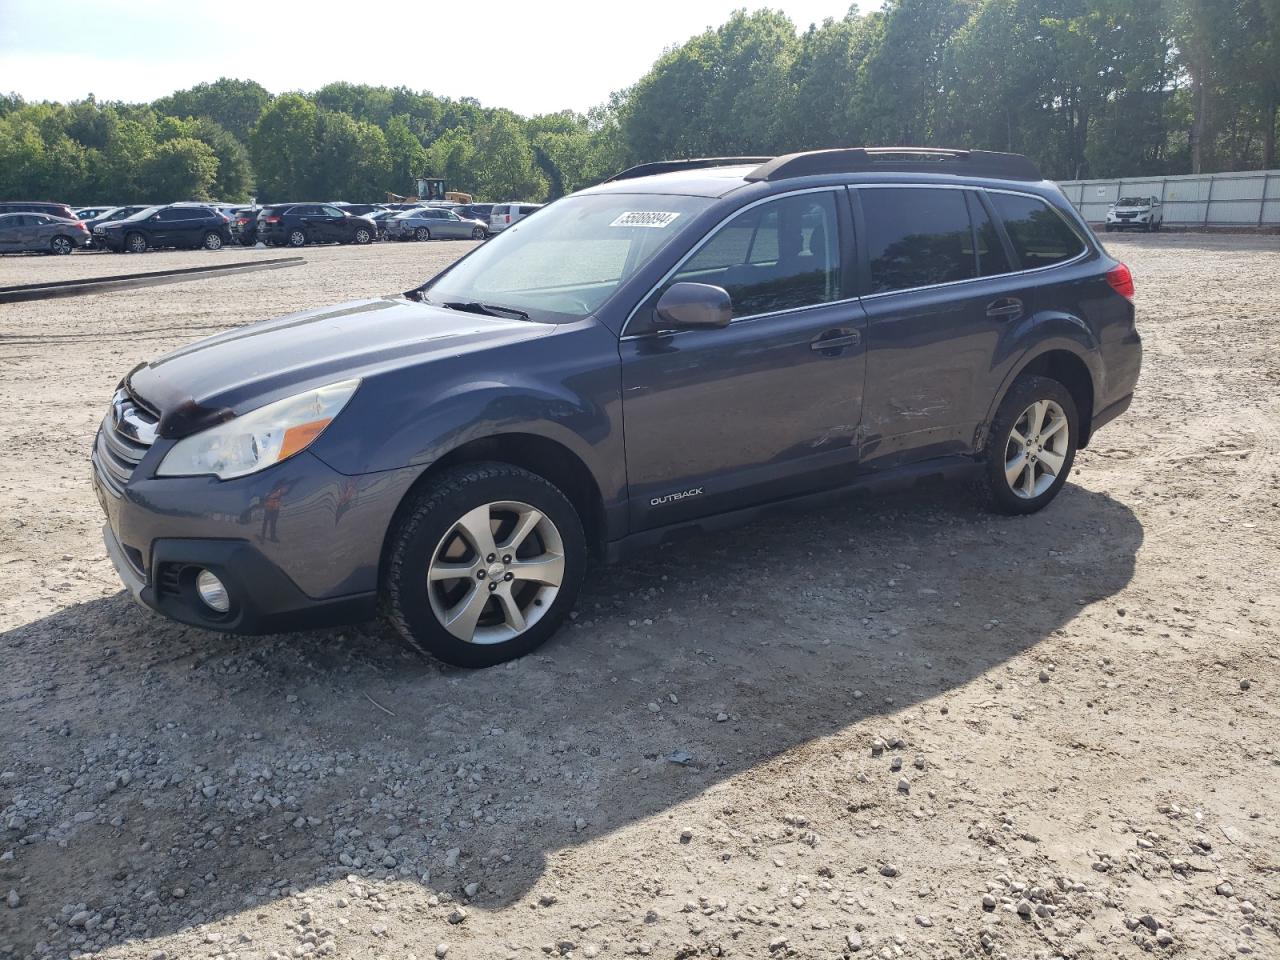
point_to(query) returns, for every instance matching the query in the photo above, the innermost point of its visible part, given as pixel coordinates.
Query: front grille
(126, 434)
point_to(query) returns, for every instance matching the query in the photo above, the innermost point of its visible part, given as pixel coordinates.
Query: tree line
(1087, 88)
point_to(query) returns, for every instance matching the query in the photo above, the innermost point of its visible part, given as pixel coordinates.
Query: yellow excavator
(431, 188)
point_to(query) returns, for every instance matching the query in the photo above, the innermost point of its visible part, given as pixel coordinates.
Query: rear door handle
(834, 340)
(1006, 308)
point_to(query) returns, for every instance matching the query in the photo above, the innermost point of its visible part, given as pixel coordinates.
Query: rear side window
(777, 256)
(1039, 234)
(916, 237)
(525, 211)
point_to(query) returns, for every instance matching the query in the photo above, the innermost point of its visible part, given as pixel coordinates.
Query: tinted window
(333, 212)
(916, 237)
(991, 256)
(1039, 235)
(777, 256)
(172, 213)
(525, 211)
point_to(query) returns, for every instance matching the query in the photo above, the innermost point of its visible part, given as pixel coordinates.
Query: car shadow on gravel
(191, 776)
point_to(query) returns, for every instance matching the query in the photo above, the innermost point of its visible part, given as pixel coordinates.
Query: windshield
(1132, 202)
(566, 260)
(145, 212)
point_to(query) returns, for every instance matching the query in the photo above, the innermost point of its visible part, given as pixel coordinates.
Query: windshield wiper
(488, 309)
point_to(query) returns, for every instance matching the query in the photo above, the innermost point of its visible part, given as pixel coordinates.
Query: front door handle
(833, 341)
(1006, 308)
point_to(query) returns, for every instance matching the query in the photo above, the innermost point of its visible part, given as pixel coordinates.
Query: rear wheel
(1032, 445)
(61, 246)
(135, 243)
(212, 241)
(297, 238)
(485, 564)
(422, 233)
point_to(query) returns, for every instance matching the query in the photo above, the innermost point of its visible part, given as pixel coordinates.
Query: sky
(531, 57)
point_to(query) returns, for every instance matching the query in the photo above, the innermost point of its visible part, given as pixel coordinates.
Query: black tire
(135, 243)
(61, 245)
(361, 236)
(212, 241)
(424, 521)
(297, 238)
(1026, 391)
(478, 233)
(422, 233)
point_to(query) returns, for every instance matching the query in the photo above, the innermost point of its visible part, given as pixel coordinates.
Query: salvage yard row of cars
(55, 228)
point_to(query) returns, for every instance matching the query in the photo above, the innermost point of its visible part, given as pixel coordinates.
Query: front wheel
(1032, 445)
(135, 243)
(485, 564)
(477, 233)
(361, 236)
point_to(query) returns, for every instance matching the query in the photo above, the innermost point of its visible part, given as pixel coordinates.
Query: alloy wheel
(137, 243)
(61, 245)
(297, 238)
(496, 572)
(212, 241)
(1036, 449)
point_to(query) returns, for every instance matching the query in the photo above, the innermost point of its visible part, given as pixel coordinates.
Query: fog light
(213, 592)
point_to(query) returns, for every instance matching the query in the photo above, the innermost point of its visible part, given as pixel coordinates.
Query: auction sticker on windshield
(657, 219)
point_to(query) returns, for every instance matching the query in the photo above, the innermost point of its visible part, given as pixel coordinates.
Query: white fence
(1247, 199)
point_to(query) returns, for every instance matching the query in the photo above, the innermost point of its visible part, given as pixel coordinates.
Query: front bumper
(263, 598)
(298, 545)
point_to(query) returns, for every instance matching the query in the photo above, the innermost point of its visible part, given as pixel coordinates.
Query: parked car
(433, 223)
(168, 225)
(682, 347)
(39, 231)
(380, 219)
(89, 213)
(244, 226)
(359, 209)
(504, 215)
(1141, 213)
(297, 224)
(38, 206)
(111, 215)
(476, 211)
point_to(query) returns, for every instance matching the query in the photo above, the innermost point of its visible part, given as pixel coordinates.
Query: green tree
(180, 169)
(234, 105)
(283, 148)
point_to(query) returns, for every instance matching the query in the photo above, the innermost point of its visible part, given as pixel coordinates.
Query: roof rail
(669, 166)
(967, 163)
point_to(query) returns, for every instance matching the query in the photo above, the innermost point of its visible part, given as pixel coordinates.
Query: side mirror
(695, 305)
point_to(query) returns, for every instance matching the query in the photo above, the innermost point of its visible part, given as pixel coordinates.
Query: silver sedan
(434, 223)
(40, 231)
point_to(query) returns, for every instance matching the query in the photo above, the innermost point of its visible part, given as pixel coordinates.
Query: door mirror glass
(694, 305)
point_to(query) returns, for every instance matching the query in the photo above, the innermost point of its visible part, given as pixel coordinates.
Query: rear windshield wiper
(488, 309)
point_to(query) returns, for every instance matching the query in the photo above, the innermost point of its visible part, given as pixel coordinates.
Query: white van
(504, 215)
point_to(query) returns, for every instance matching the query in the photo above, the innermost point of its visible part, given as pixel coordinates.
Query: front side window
(567, 261)
(1039, 234)
(333, 212)
(779, 255)
(916, 237)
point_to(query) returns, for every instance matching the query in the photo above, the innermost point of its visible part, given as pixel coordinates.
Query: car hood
(214, 379)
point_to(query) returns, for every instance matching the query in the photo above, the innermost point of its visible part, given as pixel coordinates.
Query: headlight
(260, 438)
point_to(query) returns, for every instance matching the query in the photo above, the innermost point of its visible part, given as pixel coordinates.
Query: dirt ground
(1083, 703)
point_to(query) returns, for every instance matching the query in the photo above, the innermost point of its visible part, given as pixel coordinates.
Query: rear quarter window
(1039, 234)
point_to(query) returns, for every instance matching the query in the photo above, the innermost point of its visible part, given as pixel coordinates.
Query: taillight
(508, 218)
(1121, 280)
(270, 219)
(81, 225)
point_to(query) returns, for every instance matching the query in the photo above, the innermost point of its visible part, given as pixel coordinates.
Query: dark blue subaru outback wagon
(682, 347)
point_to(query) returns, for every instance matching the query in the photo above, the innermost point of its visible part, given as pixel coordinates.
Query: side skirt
(905, 475)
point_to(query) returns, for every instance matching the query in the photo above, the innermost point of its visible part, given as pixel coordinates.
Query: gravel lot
(898, 728)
